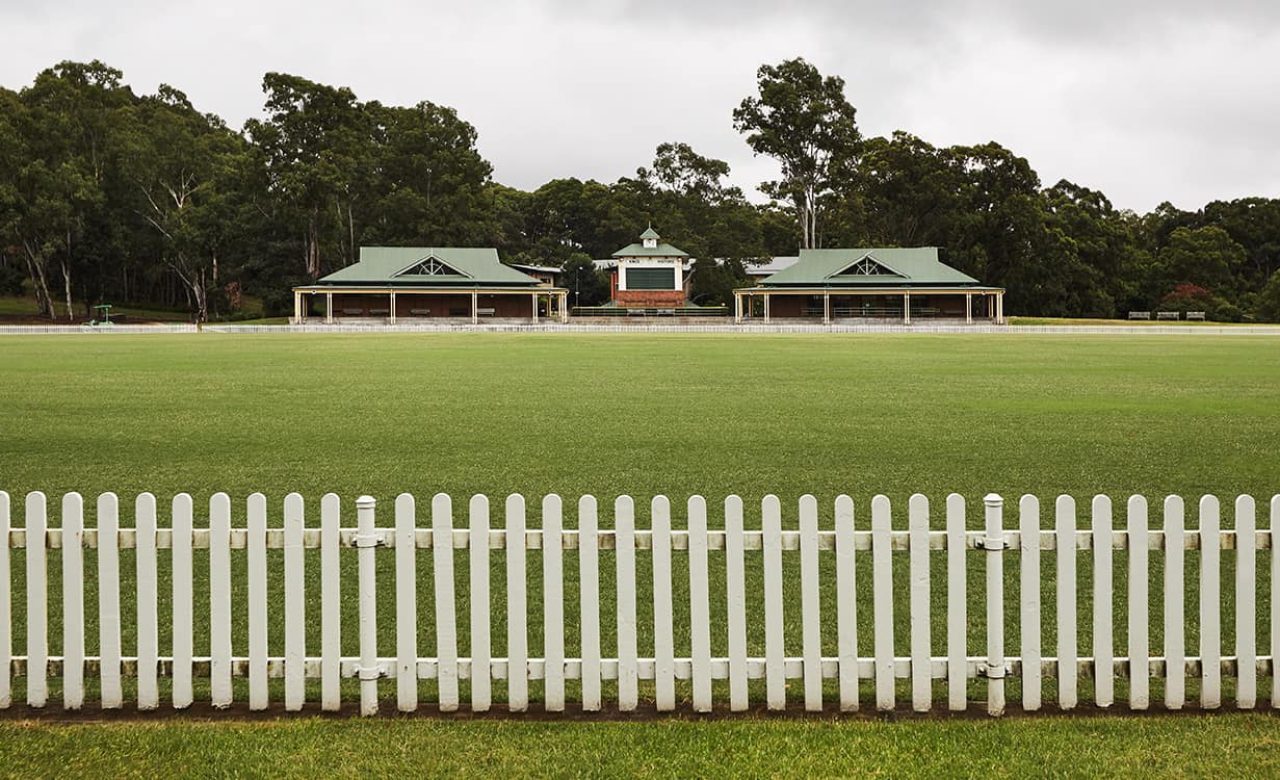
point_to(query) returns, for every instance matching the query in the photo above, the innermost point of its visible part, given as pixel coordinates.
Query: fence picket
(624, 536)
(407, 596)
(183, 601)
(1029, 587)
(517, 608)
(330, 604)
(882, 596)
(1246, 604)
(1139, 620)
(446, 603)
(37, 601)
(220, 600)
(148, 619)
(664, 664)
(257, 570)
(810, 606)
(736, 603)
(109, 601)
(957, 607)
(776, 669)
(72, 601)
(1175, 674)
(774, 649)
(367, 603)
(1210, 593)
(1275, 602)
(553, 602)
(993, 542)
(6, 608)
(1065, 533)
(846, 604)
(295, 605)
(699, 606)
(481, 642)
(921, 639)
(1103, 585)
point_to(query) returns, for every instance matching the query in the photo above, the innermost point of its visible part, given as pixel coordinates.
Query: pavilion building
(393, 284)
(649, 274)
(900, 284)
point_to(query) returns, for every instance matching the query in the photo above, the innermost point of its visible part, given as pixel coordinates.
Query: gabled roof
(649, 232)
(384, 266)
(894, 267)
(640, 250)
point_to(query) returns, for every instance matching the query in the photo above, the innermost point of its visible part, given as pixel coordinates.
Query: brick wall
(650, 299)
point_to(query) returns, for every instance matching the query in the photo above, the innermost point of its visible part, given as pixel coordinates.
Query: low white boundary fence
(851, 546)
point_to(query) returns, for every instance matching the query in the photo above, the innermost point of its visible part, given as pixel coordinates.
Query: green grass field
(642, 415)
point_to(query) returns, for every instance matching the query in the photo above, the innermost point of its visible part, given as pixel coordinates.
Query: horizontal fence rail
(576, 605)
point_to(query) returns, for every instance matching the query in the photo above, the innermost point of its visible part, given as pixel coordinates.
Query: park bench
(1139, 315)
(1166, 315)
(1195, 315)
(353, 312)
(420, 312)
(379, 312)
(483, 312)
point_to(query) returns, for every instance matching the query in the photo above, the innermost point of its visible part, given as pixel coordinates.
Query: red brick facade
(650, 298)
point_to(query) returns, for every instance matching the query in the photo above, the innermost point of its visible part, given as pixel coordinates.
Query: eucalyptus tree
(803, 120)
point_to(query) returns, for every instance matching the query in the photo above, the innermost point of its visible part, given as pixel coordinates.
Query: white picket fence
(877, 545)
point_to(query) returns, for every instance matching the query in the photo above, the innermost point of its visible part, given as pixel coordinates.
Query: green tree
(803, 120)
(587, 285)
(1267, 306)
(1203, 257)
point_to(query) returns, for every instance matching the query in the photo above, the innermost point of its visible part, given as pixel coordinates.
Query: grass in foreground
(643, 415)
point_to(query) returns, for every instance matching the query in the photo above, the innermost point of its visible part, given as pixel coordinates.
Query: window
(651, 278)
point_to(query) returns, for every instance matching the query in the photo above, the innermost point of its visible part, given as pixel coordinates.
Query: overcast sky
(1149, 100)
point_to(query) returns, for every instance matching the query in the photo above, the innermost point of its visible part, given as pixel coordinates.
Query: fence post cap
(365, 501)
(993, 499)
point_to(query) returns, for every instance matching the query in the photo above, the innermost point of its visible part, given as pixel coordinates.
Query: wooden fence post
(406, 519)
(810, 605)
(774, 651)
(553, 600)
(1175, 653)
(220, 600)
(1246, 603)
(6, 608)
(1068, 649)
(736, 595)
(446, 603)
(957, 606)
(330, 604)
(882, 606)
(1210, 606)
(517, 608)
(699, 606)
(624, 534)
(257, 580)
(1029, 587)
(481, 642)
(921, 638)
(664, 671)
(366, 576)
(846, 604)
(72, 600)
(183, 601)
(37, 601)
(147, 603)
(295, 605)
(1103, 648)
(994, 545)
(589, 599)
(1139, 619)
(109, 600)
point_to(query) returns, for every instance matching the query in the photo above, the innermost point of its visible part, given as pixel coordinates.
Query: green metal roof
(640, 250)
(650, 233)
(891, 267)
(385, 266)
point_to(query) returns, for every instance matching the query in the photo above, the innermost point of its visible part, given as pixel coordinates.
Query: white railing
(754, 570)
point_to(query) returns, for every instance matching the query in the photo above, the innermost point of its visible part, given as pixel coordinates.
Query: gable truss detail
(430, 266)
(867, 266)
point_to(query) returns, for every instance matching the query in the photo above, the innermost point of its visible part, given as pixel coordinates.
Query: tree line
(111, 196)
